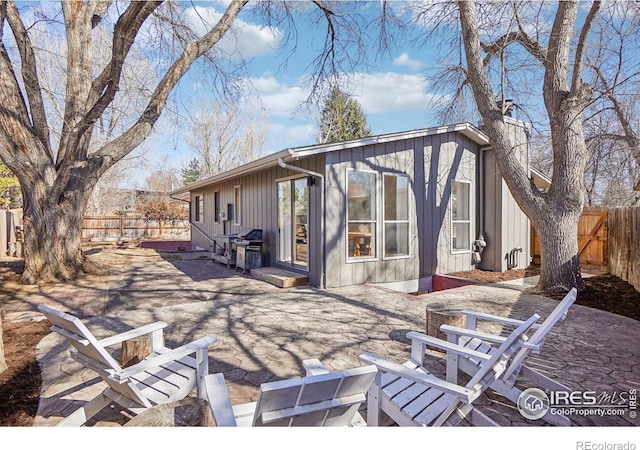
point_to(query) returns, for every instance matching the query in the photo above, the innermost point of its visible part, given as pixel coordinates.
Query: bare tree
(612, 123)
(554, 214)
(59, 170)
(225, 136)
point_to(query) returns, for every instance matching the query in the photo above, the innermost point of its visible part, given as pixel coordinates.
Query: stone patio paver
(265, 332)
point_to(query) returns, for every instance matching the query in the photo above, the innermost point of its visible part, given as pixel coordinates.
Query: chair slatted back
(496, 366)
(87, 348)
(330, 399)
(537, 338)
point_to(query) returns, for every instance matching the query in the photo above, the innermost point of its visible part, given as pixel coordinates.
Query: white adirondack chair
(485, 343)
(165, 376)
(412, 396)
(320, 399)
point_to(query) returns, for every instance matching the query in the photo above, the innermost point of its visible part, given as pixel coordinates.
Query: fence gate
(592, 239)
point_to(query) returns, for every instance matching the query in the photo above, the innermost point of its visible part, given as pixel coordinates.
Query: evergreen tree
(191, 172)
(342, 118)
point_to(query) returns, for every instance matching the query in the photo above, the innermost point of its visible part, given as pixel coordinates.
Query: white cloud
(283, 136)
(277, 98)
(390, 91)
(244, 39)
(405, 60)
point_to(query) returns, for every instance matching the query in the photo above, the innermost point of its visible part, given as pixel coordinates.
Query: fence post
(121, 226)
(160, 227)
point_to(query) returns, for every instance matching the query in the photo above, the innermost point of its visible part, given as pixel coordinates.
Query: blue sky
(392, 91)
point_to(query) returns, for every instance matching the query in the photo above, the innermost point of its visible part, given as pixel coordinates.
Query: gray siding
(431, 163)
(505, 225)
(259, 210)
(447, 158)
(388, 158)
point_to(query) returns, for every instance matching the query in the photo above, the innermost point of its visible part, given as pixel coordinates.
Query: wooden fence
(592, 240)
(118, 227)
(624, 244)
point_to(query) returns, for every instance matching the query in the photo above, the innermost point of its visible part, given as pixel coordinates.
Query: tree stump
(189, 412)
(134, 351)
(438, 317)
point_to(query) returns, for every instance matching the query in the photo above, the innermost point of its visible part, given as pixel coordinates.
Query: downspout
(284, 165)
(479, 244)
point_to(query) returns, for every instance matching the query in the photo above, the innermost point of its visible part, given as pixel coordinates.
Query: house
(392, 209)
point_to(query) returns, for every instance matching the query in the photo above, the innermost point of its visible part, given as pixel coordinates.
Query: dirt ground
(20, 383)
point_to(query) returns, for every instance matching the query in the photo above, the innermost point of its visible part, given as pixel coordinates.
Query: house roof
(541, 180)
(466, 129)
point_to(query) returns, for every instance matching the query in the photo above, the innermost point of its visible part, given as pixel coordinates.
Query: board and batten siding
(447, 158)
(432, 163)
(259, 210)
(505, 226)
(383, 158)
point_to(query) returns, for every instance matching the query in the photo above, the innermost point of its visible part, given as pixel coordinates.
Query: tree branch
(30, 76)
(576, 79)
(130, 139)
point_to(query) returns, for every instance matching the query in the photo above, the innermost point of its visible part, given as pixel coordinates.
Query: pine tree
(342, 118)
(191, 172)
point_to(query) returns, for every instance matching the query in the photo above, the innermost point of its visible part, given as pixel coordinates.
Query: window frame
(375, 220)
(237, 205)
(385, 221)
(460, 221)
(216, 206)
(198, 212)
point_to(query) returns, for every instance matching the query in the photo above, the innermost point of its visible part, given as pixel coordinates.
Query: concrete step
(279, 277)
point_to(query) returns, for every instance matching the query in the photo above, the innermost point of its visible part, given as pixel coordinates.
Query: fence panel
(592, 240)
(113, 227)
(624, 244)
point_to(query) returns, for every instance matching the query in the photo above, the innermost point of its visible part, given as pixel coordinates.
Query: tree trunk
(52, 238)
(560, 270)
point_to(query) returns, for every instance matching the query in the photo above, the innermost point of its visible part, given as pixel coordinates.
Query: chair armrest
(166, 357)
(131, 334)
(456, 331)
(314, 367)
(219, 401)
(491, 318)
(423, 339)
(384, 365)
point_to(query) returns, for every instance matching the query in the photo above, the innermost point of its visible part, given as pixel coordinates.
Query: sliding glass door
(293, 226)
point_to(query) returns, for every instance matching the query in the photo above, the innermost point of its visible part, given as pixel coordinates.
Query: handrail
(213, 243)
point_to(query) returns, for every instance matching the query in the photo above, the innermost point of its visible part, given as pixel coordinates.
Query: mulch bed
(605, 292)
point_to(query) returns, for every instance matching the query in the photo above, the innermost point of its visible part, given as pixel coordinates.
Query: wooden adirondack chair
(412, 396)
(485, 343)
(321, 399)
(165, 376)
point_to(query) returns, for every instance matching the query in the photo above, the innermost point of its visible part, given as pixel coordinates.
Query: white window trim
(283, 263)
(451, 221)
(237, 208)
(376, 221)
(408, 221)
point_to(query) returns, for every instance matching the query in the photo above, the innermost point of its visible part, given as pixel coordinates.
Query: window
(237, 205)
(396, 216)
(216, 206)
(460, 217)
(361, 214)
(199, 212)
